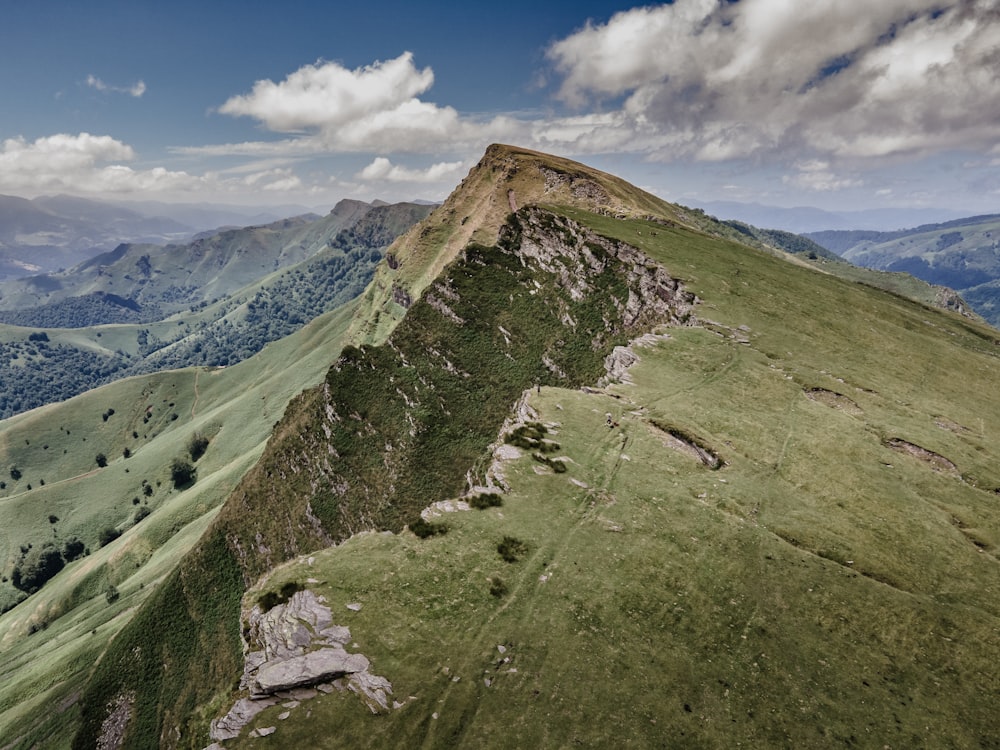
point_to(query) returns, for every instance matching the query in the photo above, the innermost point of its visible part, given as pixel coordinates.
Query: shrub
(422, 529)
(497, 587)
(108, 535)
(37, 567)
(141, 514)
(147, 490)
(53, 519)
(486, 500)
(101, 460)
(182, 473)
(72, 549)
(197, 446)
(111, 594)
(15, 473)
(512, 549)
(127, 453)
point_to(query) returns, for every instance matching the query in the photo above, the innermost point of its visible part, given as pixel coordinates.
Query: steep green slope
(782, 532)
(832, 585)
(49, 642)
(781, 557)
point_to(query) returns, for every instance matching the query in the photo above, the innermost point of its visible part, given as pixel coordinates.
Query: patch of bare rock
(290, 649)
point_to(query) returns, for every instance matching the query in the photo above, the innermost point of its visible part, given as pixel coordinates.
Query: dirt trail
(194, 405)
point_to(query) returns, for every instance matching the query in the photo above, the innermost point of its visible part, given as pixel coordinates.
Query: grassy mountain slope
(962, 254)
(830, 586)
(71, 618)
(42, 364)
(786, 535)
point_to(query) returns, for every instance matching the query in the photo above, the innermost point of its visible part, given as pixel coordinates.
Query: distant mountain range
(963, 254)
(804, 219)
(51, 233)
(214, 301)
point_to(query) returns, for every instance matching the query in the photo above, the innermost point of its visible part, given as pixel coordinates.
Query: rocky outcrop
(291, 646)
(577, 256)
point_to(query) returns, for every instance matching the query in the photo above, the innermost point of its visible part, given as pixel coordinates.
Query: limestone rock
(307, 669)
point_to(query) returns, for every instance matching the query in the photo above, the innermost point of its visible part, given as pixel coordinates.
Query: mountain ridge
(633, 431)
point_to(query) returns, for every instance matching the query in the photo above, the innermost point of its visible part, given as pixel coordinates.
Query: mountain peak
(506, 179)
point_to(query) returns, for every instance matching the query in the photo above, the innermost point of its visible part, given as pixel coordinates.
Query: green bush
(182, 473)
(486, 500)
(73, 548)
(197, 447)
(101, 460)
(108, 535)
(497, 587)
(422, 529)
(38, 566)
(512, 549)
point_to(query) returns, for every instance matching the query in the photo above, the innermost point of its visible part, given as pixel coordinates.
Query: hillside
(639, 545)
(42, 361)
(963, 254)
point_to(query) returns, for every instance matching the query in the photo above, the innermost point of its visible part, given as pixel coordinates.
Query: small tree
(182, 473)
(108, 535)
(101, 459)
(197, 446)
(111, 594)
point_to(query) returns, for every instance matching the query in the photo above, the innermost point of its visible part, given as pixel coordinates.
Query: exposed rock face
(296, 645)
(308, 669)
(577, 255)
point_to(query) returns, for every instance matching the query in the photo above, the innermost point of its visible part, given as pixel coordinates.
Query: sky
(839, 104)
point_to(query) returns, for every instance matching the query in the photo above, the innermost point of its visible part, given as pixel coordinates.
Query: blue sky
(842, 104)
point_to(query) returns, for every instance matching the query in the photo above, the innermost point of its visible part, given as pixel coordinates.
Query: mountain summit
(585, 471)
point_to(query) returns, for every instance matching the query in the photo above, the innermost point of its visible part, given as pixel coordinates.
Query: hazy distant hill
(49, 233)
(963, 254)
(805, 219)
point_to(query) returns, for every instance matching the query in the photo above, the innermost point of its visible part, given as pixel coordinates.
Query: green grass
(237, 406)
(666, 602)
(819, 590)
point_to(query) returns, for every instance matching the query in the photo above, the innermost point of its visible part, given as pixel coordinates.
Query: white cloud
(383, 169)
(375, 108)
(78, 163)
(817, 175)
(848, 79)
(136, 90)
(328, 95)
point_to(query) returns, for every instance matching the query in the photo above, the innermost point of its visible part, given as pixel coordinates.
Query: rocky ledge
(290, 648)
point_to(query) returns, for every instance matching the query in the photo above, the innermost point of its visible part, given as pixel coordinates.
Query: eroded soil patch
(936, 461)
(834, 400)
(674, 437)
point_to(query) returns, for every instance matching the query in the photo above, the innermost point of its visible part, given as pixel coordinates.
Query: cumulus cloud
(383, 169)
(817, 175)
(136, 90)
(849, 79)
(82, 162)
(374, 108)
